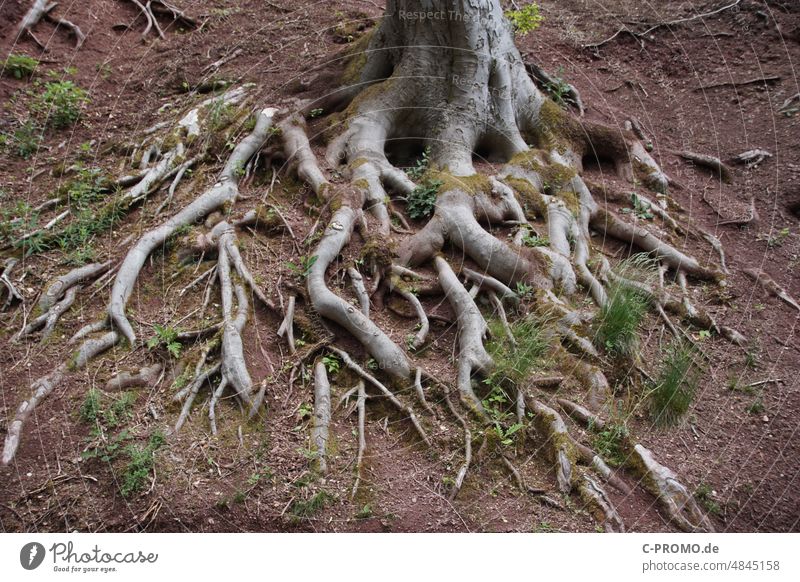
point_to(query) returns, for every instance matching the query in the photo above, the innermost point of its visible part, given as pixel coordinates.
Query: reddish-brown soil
(740, 445)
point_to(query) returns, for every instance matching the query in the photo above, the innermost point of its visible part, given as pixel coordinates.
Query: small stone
(765, 418)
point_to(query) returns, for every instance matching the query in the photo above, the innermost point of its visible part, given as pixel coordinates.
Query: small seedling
(304, 268)
(641, 209)
(421, 165)
(332, 364)
(610, 444)
(535, 240)
(168, 337)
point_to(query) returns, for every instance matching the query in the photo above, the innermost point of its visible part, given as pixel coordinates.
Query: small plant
(756, 407)
(26, 139)
(61, 103)
(20, 66)
(534, 240)
(523, 289)
(305, 411)
(705, 496)
(307, 508)
(558, 89)
(422, 200)
(81, 256)
(90, 409)
(420, 166)
(332, 364)
(610, 444)
(304, 268)
(365, 512)
(138, 469)
(775, 240)
(526, 19)
(168, 337)
(641, 209)
(675, 387)
(618, 322)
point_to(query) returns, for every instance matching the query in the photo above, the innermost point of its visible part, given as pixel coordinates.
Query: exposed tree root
(488, 103)
(12, 294)
(41, 9)
(322, 414)
(147, 376)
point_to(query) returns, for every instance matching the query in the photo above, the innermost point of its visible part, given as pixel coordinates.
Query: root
(146, 376)
(384, 390)
(41, 9)
(770, 286)
(225, 190)
(598, 503)
(322, 414)
(678, 503)
(287, 325)
(360, 289)
(49, 319)
(63, 283)
(462, 471)
(362, 439)
(46, 384)
(720, 169)
(12, 294)
(472, 355)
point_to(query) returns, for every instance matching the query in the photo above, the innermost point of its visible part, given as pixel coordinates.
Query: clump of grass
(513, 364)
(308, 507)
(705, 496)
(676, 385)
(618, 322)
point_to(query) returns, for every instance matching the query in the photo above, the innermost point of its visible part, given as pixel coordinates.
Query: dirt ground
(715, 85)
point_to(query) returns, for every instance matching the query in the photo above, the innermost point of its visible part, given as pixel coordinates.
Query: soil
(738, 447)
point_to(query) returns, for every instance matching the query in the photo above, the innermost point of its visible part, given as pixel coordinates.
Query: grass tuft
(618, 322)
(674, 390)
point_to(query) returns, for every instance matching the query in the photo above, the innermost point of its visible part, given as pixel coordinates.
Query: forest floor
(714, 86)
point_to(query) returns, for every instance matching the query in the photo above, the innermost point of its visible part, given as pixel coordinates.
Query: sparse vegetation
(705, 496)
(534, 240)
(676, 385)
(140, 464)
(617, 325)
(60, 103)
(305, 508)
(20, 66)
(610, 443)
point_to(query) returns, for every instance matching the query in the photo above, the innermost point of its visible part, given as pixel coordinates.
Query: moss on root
(472, 185)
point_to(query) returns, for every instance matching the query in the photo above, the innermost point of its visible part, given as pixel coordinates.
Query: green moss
(475, 184)
(380, 250)
(356, 60)
(555, 129)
